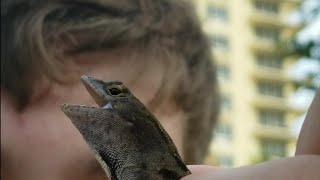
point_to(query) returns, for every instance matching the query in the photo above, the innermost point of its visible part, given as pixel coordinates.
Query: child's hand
(305, 165)
(295, 168)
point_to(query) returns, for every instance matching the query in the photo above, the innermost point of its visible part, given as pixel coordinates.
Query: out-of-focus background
(268, 62)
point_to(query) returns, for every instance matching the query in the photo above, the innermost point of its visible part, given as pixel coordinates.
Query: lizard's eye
(115, 91)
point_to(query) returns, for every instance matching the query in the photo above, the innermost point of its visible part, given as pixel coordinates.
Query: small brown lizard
(128, 141)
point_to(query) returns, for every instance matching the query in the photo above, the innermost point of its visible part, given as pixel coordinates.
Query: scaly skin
(129, 142)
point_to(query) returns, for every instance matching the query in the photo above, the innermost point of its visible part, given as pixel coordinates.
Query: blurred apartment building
(256, 119)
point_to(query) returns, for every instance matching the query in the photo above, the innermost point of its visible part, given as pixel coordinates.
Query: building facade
(256, 118)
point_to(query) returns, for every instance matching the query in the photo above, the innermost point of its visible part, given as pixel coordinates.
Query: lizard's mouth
(76, 106)
(75, 111)
(94, 87)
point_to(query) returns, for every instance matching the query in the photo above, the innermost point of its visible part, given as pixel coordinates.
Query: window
(268, 7)
(225, 103)
(272, 148)
(219, 13)
(223, 72)
(265, 60)
(270, 88)
(225, 161)
(267, 33)
(223, 131)
(272, 118)
(219, 42)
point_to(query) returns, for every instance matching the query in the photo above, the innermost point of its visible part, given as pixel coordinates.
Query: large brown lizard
(128, 141)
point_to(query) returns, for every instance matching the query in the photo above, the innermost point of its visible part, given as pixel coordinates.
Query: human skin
(305, 165)
(40, 142)
(294, 168)
(308, 142)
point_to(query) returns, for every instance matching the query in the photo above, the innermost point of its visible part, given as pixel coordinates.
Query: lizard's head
(112, 96)
(99, 125)
(106, 94)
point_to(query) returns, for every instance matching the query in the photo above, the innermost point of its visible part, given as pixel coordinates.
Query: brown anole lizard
(128, 141)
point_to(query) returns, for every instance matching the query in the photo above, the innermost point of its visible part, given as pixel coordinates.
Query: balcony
(278, 133)
(260, 18)
(283, 1)
(270, 74)
(277, 103)
(220, 56)
(270, 102)
(218, 2)
(259, 45)
(272, 13)
(278, 20)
